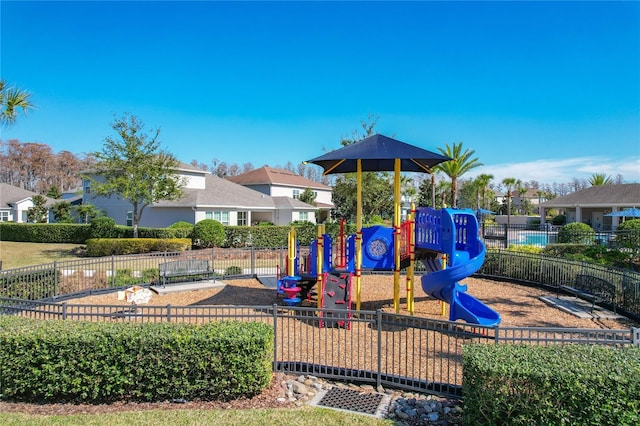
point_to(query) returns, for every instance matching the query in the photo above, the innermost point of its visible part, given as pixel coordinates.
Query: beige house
(15, 203)
(591, 205)
(206, 196)
(283, 183)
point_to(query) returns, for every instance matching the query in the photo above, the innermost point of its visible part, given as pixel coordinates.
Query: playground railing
(74, 278)
(379, 348)
(552, 273)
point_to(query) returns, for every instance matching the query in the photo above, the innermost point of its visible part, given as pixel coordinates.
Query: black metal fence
(375, 347)
(97, 275)
(497, 235)
(68, 279)
(552, 272)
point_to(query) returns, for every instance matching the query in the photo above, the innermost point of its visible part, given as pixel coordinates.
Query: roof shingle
(271, 176)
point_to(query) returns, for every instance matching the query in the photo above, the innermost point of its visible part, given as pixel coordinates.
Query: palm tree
(442, 189)
(483, 181)
(510, 183)
(460, 163)
(12, 99)
(598, 179)
(522, 192)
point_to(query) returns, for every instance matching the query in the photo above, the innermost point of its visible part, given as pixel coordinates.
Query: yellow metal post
(319, 263)
(291, 261)
(358, 232)
(396, 235)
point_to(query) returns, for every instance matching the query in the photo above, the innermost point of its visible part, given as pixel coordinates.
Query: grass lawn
(15, 255)
(306, 416)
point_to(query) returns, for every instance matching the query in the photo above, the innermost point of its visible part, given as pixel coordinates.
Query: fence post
(55, 278)
(497, 336)
(169, 312)
(275, 336)
(379, 367)
(541, 269)
(253, 261)
(635, 336)
(64, 310)
(113, 270)
(282, 262)
(505, 242)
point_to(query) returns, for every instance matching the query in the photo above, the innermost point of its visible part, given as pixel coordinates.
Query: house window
(303, 215)
(296, 194)
(4, 216)
(242, 218)
(129, 218)
(222, 217)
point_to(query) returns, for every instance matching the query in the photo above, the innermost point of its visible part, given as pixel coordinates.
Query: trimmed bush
(208, 233)
(97, 247)
(44, 232)
(577, 233)
(551, 385)
(628, 235)
(559, 220)
(102, 227)
(68, 361)
(182, 229)
(233, 270)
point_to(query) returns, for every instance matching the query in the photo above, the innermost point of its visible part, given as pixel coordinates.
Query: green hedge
(235, 236)
(97, 247)
(65, 361)
(551, 385)
(276, 236)
(44, 232)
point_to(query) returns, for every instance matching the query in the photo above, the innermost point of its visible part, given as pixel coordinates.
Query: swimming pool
(534, 239)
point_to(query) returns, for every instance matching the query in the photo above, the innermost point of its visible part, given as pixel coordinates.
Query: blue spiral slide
(456, 234)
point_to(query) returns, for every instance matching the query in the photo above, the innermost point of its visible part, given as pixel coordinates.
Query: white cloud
(559, 171)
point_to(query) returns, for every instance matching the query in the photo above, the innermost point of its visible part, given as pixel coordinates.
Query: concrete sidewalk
(580, 308)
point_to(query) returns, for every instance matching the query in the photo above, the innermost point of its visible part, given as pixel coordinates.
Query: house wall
(283, 191)
(20, 210)
(287, 191)
(153, 217)
(194, 180)
(263, 188)
(324, 197)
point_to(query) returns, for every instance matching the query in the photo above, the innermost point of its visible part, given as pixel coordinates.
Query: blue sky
(540, 90)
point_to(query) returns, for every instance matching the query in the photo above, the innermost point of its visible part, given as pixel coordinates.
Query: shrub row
(97, 247)
(556, 384)
(68, 361)
(202, 234)
(44, 232)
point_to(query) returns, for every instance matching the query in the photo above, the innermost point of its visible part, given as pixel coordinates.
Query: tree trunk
(433, 190)
(454, 190)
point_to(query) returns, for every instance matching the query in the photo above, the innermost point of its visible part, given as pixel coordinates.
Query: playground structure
(445, 241)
